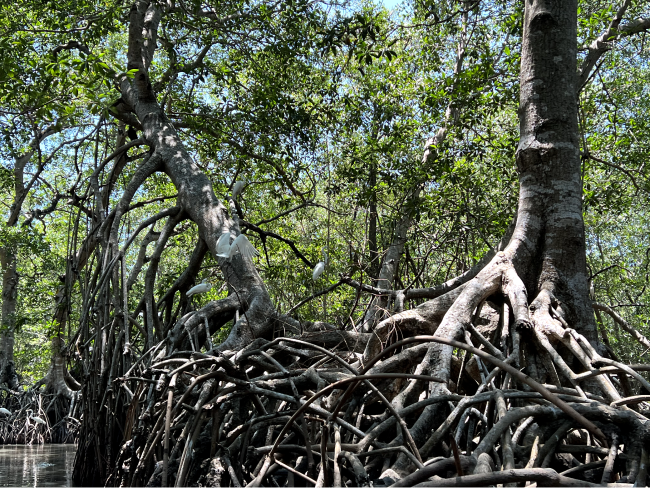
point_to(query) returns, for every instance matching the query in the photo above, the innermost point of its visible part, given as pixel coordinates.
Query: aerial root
(192, 329)
(28, 421)
(290, 411)
(260, 418)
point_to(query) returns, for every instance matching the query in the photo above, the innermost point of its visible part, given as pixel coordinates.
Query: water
(39, 465)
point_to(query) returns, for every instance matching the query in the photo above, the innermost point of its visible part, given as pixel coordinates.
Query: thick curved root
(448, 409)
(271, 414)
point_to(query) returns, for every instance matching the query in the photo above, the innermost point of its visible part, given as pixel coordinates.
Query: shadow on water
(39, 465)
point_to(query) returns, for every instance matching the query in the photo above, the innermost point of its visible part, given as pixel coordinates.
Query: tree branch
(620, 321)
(604, 42)
(264, 234)
(68, 46)
(315, 295)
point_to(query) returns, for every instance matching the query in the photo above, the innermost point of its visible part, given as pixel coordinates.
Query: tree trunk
(545, 257)
(549, 240)
(8, 263)
(195, 195)
(8, 260)
(377, 309)
(547, 248)
(537, 274)
(8, 374)
(373, 246)
(196, 200)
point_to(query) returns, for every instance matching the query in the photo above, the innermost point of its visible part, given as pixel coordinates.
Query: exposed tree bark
(58, 380)
(547, 249)
(549, 219)
(373, 217)
(197, 201)
(8, 374)
(390, 262)
(195, 194)
(8, 262)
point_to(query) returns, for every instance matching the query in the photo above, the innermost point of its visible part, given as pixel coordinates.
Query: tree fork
(195, 194)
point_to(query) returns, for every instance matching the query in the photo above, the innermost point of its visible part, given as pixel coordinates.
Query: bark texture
(8, 374)
(8, 263)
(195, 194)
(549, 240)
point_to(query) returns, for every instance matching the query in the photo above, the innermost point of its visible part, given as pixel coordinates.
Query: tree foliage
(325, 110)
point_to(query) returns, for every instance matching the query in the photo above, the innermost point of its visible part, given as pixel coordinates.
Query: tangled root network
(288, 412)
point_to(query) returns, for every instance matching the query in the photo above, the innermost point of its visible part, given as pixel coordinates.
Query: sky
(390, 4)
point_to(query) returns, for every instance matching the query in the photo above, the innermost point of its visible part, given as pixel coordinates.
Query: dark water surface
(41, 465)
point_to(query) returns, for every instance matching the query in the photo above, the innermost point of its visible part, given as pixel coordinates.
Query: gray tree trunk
(377, 309)
(8, 374)
(549, 238)
(8, 260)
(8, 263)
(546, 252)
(542, 270)
(195, 195)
